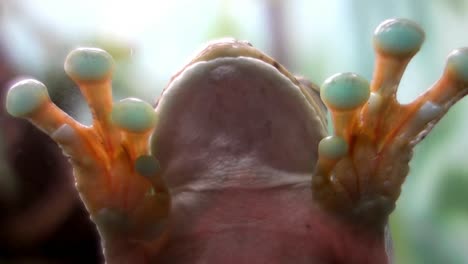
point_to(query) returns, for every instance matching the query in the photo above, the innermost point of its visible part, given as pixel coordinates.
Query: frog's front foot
(116, 177)
(362, 166)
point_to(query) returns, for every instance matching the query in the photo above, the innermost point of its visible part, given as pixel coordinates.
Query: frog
(234, 162)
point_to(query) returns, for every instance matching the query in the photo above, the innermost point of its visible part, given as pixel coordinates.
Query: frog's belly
(237, 144)
(279, 225)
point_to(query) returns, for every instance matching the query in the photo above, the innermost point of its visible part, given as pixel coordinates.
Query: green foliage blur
(151, 40)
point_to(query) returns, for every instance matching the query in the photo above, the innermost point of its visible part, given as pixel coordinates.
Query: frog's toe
(362, 166)
(88, 64)
(344, 95)
(156, 206)
(29, 99)
(398, 38)
(422, 114)
(135, 119)
(26, 97)
(133, 115)
(91, 69)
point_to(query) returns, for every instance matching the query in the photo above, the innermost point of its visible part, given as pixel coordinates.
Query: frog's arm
(116, 177)
(362, 166)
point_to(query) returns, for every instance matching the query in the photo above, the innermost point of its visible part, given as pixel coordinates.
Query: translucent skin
(234, 165)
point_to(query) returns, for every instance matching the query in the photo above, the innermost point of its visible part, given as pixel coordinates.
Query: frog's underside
(234, 165)
(236, 142)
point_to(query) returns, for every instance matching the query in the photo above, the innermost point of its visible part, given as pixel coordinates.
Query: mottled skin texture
(235, 143)
(237, 168)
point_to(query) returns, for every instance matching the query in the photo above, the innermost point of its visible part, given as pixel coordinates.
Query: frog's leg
(362, 166)
(116, 177)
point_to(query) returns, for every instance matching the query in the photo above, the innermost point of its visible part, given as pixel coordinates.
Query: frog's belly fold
(237, 144)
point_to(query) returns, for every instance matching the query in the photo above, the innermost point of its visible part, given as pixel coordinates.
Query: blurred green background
(151, 40)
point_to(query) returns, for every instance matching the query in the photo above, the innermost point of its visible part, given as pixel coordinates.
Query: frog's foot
(362, 166)
(116, 177)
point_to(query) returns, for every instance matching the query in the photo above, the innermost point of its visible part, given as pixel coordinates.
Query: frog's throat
(231, 116)
(231, 48)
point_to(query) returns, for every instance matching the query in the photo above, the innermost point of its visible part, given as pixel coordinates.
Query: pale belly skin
(235, 164)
